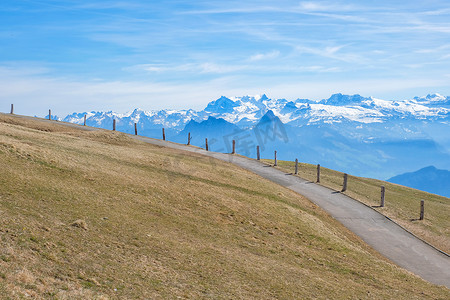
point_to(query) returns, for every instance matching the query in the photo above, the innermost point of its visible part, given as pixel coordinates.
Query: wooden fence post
(258, 157)
(12, 108)
(234, 147)
(275, 161)
(206, 144)
(135, 128)
(189, 139)
(318, 173)
(49, 114)
(114, 124)
(422, 209)
(344, 185)
(164, 134)
(84, 120)
(383, 190)
(296, 166)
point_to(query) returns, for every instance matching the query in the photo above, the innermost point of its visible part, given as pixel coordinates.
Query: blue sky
(72, 55)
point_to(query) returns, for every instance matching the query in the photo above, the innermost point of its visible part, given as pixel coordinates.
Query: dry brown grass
(402, 204)
(167, 224)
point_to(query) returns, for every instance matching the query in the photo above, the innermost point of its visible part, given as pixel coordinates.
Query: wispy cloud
(227, 69)
(326, 6)
(205, 67)
(334, 53)
(437, 12)
(434, 50)
(263, 56)
(321, 9)
(21, 69)
(107, 5)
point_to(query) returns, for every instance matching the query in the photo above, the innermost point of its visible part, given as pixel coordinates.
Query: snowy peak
(221, 105)
(263, 97)
(433, 99)
(289, 107)
(343, 100)
(247, 111)
(137, 112)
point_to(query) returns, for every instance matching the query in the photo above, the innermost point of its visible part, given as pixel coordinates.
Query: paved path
(375, 229)
(383, 235)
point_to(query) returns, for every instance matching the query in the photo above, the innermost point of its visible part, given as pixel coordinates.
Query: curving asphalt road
(382, 234)
(385, 236)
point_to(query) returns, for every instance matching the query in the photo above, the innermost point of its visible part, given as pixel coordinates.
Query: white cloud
(263, 56)
(14, 69)
(205, 67)
(333, 52)
(234, 9)
(437, 12)
(219, 69)
(127, 5)
(325, 6)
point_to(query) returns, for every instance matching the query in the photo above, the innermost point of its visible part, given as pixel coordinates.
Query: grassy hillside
(402, 204)
(98, 215)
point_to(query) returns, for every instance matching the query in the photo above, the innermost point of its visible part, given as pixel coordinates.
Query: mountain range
(364, 136)
(427, 179)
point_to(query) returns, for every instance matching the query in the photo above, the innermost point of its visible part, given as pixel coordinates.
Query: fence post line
(189, 139)
(114, 124)
(318, 173)
(12, 108)
(296, 166)
(422, 209)
(257, 153)
(49, 114)
(164, 134)
(275, 161)
(383, 190)
(344, 185)
(135, 129)
(234, 147)
(206, 144)
(84, 124)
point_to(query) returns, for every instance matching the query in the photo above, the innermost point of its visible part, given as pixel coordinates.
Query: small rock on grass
(80, 224)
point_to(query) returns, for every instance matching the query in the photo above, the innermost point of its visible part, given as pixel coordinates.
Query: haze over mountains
(428, 179)
(359, 135)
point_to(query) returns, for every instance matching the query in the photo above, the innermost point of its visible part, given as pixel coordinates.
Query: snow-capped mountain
(247, 110)
(355, 134)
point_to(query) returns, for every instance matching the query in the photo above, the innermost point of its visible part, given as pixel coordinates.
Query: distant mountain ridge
(248, 110)
(429, 179)
(360, 135)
